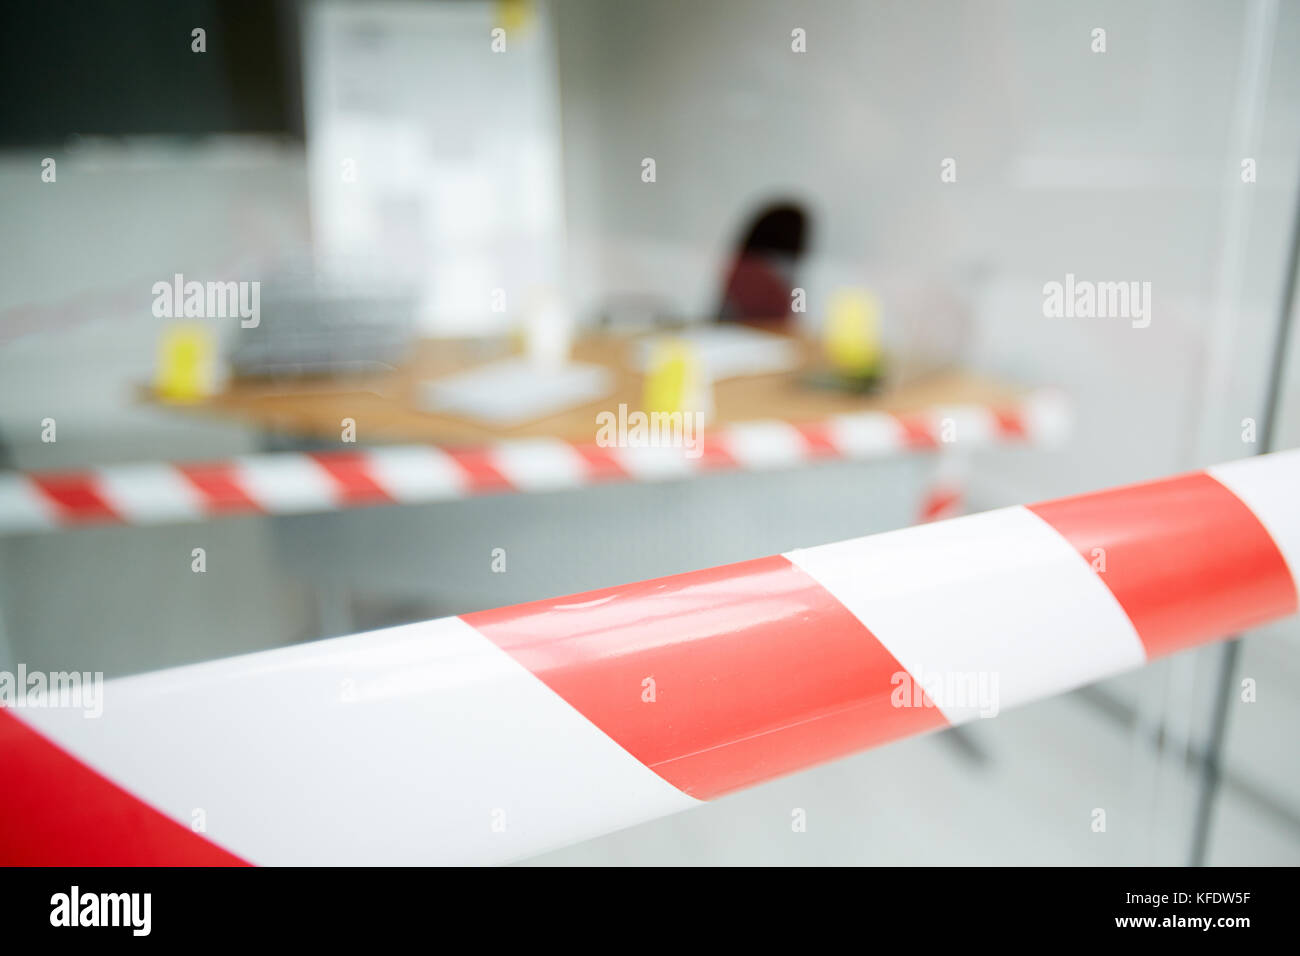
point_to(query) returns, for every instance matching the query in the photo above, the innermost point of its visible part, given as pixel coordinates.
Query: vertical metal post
(1229, 654)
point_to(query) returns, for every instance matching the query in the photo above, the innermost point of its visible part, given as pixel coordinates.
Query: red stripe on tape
(714, 455)
(219, 487)
(816, 436)
(351, 474)
(917, 432)
(1185, 558)
(56, 811)
(480, 474)
(1011, 423)
(75, 497)
(941, 503)
(755, 670)
(602, 464)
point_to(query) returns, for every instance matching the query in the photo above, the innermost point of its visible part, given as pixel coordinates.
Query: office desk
(385, 406)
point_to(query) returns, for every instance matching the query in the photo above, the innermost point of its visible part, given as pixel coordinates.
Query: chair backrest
(761, 273)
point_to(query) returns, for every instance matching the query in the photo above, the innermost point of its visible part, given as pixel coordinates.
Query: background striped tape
(297, 483)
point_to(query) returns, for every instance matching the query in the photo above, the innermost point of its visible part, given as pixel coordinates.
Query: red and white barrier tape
(298, 483)
(496, 735)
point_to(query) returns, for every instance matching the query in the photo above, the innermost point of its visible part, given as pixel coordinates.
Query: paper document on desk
(516, 390)
(729, 351)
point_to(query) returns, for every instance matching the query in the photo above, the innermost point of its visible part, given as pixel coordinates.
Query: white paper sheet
(516, 390)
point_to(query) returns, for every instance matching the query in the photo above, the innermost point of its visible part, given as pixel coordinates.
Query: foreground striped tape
(496, 735)
(292, 483)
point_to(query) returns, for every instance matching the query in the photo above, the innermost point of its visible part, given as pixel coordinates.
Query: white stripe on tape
(417, 744)
(1046, 417)
(998, 597)
(539, 464)
(765, 444)
(646, 463)
(964, 425)
(286, 483)
(1266, 483)
(866, 434)
(22, 506)
(416, 473)
(148, 494)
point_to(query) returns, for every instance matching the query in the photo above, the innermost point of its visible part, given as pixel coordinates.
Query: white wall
(1111, 166)
(78, 260)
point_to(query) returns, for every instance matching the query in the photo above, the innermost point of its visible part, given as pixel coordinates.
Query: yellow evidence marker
(851, 337)
(187, 355)
(675, 380)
